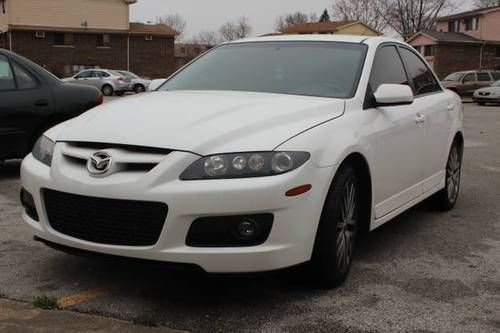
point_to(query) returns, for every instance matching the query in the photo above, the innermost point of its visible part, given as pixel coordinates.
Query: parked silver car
(137, 84)
(108, 81)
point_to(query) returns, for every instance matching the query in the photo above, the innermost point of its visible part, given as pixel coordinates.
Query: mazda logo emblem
(99, 163)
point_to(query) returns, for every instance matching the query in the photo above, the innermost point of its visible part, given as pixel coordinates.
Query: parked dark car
(33, 100)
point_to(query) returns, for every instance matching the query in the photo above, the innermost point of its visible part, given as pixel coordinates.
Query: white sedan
(488, 94)
(262, 154)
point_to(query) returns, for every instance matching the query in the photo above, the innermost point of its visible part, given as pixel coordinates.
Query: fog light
(29, 204)
(247, 229)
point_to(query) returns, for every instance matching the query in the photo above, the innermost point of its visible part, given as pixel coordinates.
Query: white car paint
(488, 94)
(406, 148)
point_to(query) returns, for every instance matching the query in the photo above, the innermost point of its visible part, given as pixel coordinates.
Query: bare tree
(209, 38)
(486, 3)
(370, 12)
(174, 21)
(407, 17)
(286, 21)
(236, 30)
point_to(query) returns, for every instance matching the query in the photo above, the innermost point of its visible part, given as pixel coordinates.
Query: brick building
(185, 52)
(332, 27)
(68, 36)
(464, 41)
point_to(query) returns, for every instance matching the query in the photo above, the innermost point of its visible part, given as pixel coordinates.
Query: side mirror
(393, 94)
(155, 84)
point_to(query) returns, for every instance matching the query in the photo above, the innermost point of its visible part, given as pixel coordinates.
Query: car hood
(203, 122)
(489, 89)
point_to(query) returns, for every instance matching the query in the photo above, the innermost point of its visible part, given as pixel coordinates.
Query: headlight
(43, 150)
(244, 165)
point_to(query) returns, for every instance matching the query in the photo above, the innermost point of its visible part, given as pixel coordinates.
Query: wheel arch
(360, 164)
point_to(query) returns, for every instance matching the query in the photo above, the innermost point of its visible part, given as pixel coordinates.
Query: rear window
(496, 75)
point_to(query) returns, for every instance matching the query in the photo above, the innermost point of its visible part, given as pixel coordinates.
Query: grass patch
(45, 302)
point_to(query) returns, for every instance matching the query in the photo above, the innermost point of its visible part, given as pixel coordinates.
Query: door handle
(41, 103)
(420, 119)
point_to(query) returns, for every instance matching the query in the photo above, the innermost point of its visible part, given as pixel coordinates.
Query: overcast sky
(211, 14)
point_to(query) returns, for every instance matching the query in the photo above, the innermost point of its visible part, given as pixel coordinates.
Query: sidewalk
(21, 317)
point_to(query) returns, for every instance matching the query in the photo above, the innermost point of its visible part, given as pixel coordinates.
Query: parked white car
(488, 94)
(263, 154)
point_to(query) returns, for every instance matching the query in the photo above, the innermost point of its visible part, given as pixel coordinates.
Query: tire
(107, 90)
(119, 93)
(337, 231)
(481, 103)
(446, 199)
(139, 88)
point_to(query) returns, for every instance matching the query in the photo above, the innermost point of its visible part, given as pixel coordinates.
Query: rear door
(26, 102)
(435, 106)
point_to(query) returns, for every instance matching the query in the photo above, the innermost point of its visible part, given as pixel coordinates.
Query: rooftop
(152, 29)
(480, 11)
(449, 36)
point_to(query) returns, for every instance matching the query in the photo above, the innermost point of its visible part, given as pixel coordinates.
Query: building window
(148, 37)
(430, 50)
(40, 34)
(454, 26)
(497, 52)
(471, 23)
(103, 40)
(63, 39)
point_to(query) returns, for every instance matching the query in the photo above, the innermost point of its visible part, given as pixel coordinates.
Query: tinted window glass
(483, 77)
(454, 77)
(7, 81)
(24, 79)
(496, 75)
(387, 68)
(423, 79)
(325, 69)
(469, 77)
(84, 75)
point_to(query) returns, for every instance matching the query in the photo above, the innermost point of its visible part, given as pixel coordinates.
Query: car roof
(319, 38)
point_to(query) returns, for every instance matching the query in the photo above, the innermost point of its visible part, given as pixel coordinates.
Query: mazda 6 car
(262, 154)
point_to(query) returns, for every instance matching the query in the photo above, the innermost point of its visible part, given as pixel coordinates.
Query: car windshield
(454, 77)
(496, 84)
(323, 69)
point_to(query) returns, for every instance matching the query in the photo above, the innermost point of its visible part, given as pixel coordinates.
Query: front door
(397, 169)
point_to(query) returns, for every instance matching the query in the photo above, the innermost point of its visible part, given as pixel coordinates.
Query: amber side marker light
(298, 190)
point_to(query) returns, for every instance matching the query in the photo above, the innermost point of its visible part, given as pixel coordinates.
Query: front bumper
(486, 99)
(290, 242)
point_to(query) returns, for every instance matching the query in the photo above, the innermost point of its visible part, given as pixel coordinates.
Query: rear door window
(483, 77)
(7, 81)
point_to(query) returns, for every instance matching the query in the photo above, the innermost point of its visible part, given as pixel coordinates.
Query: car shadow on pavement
(10, 169)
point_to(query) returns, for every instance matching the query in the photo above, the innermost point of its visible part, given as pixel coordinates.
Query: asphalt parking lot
(423, 272)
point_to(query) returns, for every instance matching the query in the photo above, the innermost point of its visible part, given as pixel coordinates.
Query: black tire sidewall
(104, 88)
(324, 260)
